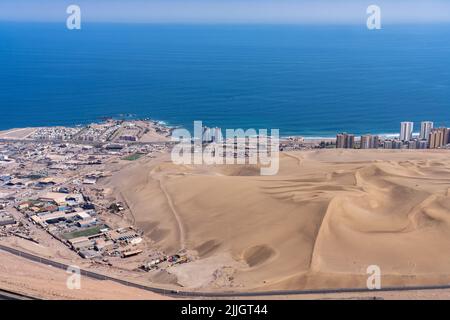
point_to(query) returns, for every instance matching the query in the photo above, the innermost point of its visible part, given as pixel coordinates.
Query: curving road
(210, 294)
(175, 214)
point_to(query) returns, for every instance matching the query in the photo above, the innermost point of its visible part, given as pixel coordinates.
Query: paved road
(7, 295)
(216, 294)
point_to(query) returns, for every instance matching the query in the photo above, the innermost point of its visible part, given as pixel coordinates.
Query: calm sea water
(306, 80)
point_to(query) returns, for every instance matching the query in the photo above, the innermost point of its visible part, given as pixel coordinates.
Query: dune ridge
(320, 222)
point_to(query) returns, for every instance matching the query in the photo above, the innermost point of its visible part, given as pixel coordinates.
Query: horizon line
(260, 23)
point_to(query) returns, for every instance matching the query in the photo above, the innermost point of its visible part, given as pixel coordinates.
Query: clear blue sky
(228, 11)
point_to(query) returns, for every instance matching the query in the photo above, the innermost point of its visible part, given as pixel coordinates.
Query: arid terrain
(45, 282)
(319, 223)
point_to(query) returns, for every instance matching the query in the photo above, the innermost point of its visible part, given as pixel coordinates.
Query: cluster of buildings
(11, 226)
(49, 181)
(345, 140)
(163, 262)
(6, 219)
(107, 131)
(98, 132)
(428, 138)
(73, 220)
(55, 133)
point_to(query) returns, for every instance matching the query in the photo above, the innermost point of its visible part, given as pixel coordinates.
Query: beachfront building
(413, 144)
(406, 130)
(422, 144)
(345, 141)
(425, 129)
(397, 144)
(387, 144)
(439, 138)
(392, 144)
(369, 142)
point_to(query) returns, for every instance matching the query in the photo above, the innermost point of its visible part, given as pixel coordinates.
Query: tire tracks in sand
(182, 233)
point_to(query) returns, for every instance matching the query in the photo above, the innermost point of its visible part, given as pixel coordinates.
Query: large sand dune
(319, 223)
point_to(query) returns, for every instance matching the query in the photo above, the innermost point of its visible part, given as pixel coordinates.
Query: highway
(213, 294)
(8, 295)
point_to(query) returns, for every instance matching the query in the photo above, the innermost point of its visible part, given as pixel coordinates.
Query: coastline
(162, 201)
(151, 131)
(162, 123)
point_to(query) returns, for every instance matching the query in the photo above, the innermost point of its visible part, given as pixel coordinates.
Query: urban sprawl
(50, 190)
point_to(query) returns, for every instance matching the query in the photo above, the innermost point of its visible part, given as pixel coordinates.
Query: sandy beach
(319, 223)
(18, 134)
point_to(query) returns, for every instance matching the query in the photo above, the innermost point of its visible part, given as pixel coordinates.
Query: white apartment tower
(425, 129)
(406, 130)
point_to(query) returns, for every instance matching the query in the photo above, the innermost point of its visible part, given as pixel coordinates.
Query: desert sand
(45, 282)
(319, 223)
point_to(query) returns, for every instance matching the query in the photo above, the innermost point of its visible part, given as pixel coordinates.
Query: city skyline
(429, 137)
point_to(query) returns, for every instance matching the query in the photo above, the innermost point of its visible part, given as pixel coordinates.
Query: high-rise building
(369, 142)
(344, 140)
(365, 141)
(340, 140)
(425, 129)
(406, 129)
(376, 141)
(439, 138)
(350, 141)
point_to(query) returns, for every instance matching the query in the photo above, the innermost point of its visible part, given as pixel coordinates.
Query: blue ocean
(303, 80)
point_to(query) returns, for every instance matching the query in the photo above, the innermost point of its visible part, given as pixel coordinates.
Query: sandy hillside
(45, 282)
(320, 222)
